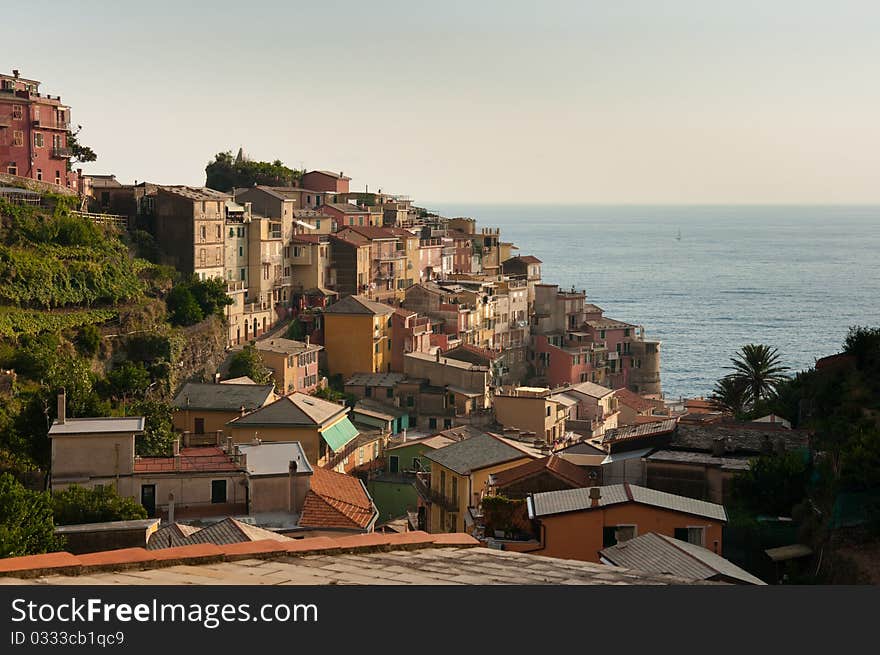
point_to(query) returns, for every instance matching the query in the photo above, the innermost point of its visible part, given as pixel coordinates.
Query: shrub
(76, 505)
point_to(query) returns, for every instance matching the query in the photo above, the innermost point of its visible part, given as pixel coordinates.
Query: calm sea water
(792, 277)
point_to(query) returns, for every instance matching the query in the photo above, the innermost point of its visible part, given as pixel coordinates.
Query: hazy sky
(612, 101)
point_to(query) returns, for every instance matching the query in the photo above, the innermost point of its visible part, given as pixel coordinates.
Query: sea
(706, 280)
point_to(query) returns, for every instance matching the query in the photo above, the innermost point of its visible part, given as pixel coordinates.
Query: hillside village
(367, 369)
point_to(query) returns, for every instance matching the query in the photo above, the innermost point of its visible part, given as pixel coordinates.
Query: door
(199, 427)
(148, 498)
(218, 491)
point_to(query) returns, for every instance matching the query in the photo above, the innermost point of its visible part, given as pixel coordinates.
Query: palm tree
(730, 395)
(758, 367)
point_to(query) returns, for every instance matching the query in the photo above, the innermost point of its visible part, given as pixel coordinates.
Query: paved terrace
(397, 559)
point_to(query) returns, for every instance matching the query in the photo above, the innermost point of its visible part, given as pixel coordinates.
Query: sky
(582, 101)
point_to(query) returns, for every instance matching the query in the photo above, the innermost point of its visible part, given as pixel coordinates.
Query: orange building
(578, 523)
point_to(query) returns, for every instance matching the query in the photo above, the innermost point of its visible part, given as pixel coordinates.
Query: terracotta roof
(634, 400)
(608, 323)
(338, 176)
(191, 460)
(369, 231)
(483, 354)
(554, 465)
(336, 500)
(295, 409)
(306, 238)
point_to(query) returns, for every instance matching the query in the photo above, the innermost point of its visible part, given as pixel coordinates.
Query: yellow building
(460, 477)
(322, 427)
(201, 411)
(357, 336)
(533, 409)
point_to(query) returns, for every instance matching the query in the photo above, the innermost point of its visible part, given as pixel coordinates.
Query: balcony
(397, 255)
(61, 153)
(235, 285)
(51, 125)
(283, 281)
(254, 307)
(436, 497)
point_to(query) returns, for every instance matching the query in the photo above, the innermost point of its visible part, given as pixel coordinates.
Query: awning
(784, 553)
(339, 434)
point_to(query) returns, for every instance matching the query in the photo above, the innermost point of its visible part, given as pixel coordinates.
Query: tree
(730, 395)
(183, 309)
(864, 344)
(249, 362)
(79, 153)
(87, 340)
(26, 526)
(76, 505)
(226, 172)
(158, 432)
(773, 484)
(295, 330)
(758, 367)
(211, 296)
(128, 379)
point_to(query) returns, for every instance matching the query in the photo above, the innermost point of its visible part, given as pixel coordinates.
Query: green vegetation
(839, 403)
(78, 152)
(226, 172)
(295, 330)
(757, 373)
(15, 322)
(249, 362)
(192, 301)
(26, 526)
(76, 505)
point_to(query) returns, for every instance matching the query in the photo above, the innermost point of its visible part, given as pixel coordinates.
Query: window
(39, 173)
(218, 232)
(389, 392)
(16, 112)
(203, 233)
(432, 423)
(12, 169)
(393, 464)
(455, 488)
(410, 401)
(389, 344)
(242, 273)
(38, 139)
(368, 392)
(601, 334)
(218, 491)
(615, 534)
(318, 223)
(17, 138)
(693, 535)
(447, 423)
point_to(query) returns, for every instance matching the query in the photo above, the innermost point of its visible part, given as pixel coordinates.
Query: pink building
(430, 259)
(33, 133)
(325, 181)
(409, 333)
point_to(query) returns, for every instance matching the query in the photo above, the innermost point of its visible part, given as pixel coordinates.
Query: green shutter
(338, 435)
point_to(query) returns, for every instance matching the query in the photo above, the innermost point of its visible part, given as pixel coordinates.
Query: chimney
(242, 460)
(291, 486)
(438, 355)
(171, 508)
(718, 447)
(216, 378)
(229, 445)
(595, 495)
(308, 340)
(15, 73)
(62, 408)
(176, 447)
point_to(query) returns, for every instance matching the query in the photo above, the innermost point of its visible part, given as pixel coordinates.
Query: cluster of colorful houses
(487, 401)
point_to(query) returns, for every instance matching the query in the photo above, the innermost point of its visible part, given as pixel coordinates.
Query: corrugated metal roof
(573, 500)
(655, 553)
(74, 426)
(629, 454)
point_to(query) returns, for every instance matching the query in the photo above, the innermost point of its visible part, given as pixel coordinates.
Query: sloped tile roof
(336, 500)
(222, 397)
(573, 475)
(634, 400)
(227, 531)
(475, 453)
(295, 409)
(359, 305)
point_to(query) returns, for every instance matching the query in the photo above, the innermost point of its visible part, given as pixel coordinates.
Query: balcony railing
(51, 125)
(235, 285)
(61, 153)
